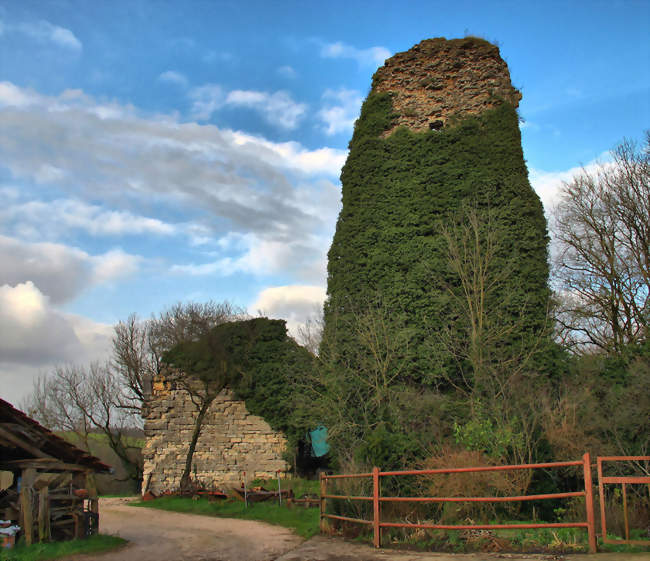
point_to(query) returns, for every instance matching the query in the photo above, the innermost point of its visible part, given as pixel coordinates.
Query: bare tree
(488, 334)
(310, 334)
(491, 341)
(51, 405)
(138, 345)
(85, 401)
(602, 226)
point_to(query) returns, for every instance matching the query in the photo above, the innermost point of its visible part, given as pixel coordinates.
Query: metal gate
(624, 482)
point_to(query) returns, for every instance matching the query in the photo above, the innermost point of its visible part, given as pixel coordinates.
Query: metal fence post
(589, 502)
(375, 507)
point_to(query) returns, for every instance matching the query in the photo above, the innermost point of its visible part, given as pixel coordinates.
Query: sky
(155, 152)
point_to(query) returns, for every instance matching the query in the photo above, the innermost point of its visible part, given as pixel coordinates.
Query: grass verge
(46, 551)
(303, 521)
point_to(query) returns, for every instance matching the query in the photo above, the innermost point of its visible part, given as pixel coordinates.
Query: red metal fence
(624, 481)
(377, 499)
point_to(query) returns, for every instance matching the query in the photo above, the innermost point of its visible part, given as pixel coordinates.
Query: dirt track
(156, 535)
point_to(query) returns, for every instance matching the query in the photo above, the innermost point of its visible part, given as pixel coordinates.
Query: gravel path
(157, 535)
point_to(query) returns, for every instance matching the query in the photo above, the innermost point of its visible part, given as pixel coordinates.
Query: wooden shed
(48, 484)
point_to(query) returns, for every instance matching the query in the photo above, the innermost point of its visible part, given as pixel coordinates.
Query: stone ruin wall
(437, 80)
(232, 440)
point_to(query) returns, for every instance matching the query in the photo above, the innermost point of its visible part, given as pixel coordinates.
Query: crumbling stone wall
(232, 440)
(438, 79)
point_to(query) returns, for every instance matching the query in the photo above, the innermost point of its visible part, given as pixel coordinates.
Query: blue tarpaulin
(319, 445)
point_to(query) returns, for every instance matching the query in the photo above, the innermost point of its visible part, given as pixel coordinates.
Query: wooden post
(26, 508)
(589, 502)
(323, 492)
(26, 514)
(43, 515)
(91, 486)
(375, 508)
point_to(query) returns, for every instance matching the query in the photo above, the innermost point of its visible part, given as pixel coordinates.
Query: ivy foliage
(399, 193)
(257, 360)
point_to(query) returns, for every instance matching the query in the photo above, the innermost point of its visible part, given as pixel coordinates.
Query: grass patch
(635, 534)
(303, 521)
(299, 486)
(45, 551)
(542, 540)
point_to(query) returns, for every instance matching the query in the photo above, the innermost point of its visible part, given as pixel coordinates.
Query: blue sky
(153, 152)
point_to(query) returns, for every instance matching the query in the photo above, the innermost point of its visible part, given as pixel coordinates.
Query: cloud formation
(46, 32)
(295, 303)
(340, 111)
(106, 152)
(37, 219)
(173, 77)
(547, 184)
(372, 56)
(34, 336)
(287, 71)
(58, 271)
(277, 108)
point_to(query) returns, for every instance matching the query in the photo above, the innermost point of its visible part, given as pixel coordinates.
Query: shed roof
(22, 439)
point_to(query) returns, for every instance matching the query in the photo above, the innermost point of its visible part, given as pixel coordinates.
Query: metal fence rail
(377, 499)
(624, 482)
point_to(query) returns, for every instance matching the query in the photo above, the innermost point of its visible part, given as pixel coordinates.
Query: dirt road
(156, 535)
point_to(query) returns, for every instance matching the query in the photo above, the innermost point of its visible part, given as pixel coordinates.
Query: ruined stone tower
(438, 135)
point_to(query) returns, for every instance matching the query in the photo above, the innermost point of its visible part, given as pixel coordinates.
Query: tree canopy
(257, 360)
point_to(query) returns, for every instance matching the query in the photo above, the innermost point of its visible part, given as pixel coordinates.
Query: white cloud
(238, 177)
(215, 180)
(372, 56)
(295, 303)
(547, 184)
(206, 100)
(173, 77)
(340, 111)
(48, 220)
(47, 32)
(35, 336)
(276, 108)
(33, 332)
(303, 258)
(114, 264)
(58, 271)
(24, 302)
(13, 96)
(287, 71)
(326, 161)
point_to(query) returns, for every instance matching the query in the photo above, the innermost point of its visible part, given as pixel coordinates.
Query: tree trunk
(198, 425)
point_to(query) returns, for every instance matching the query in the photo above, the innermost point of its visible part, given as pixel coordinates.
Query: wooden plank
(21, 443)
(49, 464)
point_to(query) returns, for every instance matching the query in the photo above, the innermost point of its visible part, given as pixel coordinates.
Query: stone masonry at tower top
(439, 79)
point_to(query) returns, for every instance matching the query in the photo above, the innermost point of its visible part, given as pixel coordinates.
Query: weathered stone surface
(438, 79)
(232, 442)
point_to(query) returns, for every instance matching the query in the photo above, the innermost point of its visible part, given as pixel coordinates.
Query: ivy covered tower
(437, 142)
